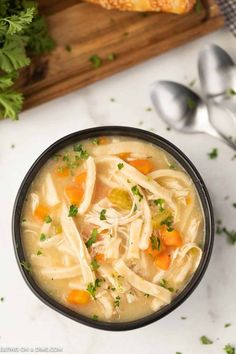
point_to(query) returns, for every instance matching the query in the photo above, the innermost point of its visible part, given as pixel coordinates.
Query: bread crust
(171, 6)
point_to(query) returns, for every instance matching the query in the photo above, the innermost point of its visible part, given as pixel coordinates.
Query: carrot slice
(163, 260)
(124, 155)
(41, 212)
(81, 178)
(170, 238)
(144, 166)
(78, 297)
(100, 258)
(74, 193)
(62, 171)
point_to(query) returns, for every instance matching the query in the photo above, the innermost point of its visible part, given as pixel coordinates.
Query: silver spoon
(217, 72)
(183, 110)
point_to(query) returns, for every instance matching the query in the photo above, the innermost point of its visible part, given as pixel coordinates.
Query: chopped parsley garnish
(205, 340)
(91, 288)
(193, 82)
(42, 237)
(96, 61)
(159, 202)
(213, 154)
(2, 299)
(111, 56)
(227, 325)
(27, 266)
(172, 166)
(155, 242)
(39, 253)
(103, 214)
(117, 301)
(136, 192)
(95, 141)
(231, 235)
(229, 349)
(94, 265)
(147, 295)
(163, 283)
(95, 317)
(135, 208)
(23, 220)
(92, 238)
(191, 103)
(231, 92)
(178, 353)
(48, 219)
(168, 222)
(83, 154)
(73, 210)
(111, 288)
(120, 165)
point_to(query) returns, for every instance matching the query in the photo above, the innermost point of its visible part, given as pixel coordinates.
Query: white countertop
(24, 320)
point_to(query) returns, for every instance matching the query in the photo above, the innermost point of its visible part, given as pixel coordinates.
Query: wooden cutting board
(88, 29)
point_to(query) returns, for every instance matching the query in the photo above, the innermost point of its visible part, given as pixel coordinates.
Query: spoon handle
(222, 137)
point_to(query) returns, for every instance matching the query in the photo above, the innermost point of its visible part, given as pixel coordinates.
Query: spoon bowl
(183, 110)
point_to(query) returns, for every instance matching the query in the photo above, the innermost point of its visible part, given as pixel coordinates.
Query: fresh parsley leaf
(95, 317)
(94, 265)
(168, 222)
(136, 192)
(39, 253)
(120, 165)
(48, 219)
(213, 154)
(103, 214)
(147, 295)
(92, 239)
(229, 349)
(19, 22)
(163, 283)
(11, 103)
(95, 141)
(73, 210)
(96, 61)
(205, 340)
(42, 237)
(92, 287)
(159, 202)
(117, 301)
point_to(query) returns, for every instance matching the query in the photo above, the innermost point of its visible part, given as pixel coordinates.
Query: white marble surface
(24, 320)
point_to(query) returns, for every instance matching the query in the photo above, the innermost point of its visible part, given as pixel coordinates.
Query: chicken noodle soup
(112, 228)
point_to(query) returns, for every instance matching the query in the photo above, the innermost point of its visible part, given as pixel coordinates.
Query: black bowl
(129, 132)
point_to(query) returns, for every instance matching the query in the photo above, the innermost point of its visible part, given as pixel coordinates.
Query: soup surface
(112, 228)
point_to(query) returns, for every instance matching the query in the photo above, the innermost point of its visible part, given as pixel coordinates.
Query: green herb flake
(228, 325)
(213, 154)
(172, 166)
(160, 202)
(205, 340)
(83, 154)
(96, 61)
(147, 295)
(120, 166)
(39, 253)
(178, 353)
(2, 299)
(191, 104)
(112, 57)
(27, 266)
(168, 222)
(149, 109)
(92, 238)
(95, 141)
(92, 287)
(135, 207)
(73, 211)
(163, 283)
(42, 237)
(155, 243)
(193, 82)
(12, 146)
(112, 99)
(229, 349)
(94, 265)
(103, 214)
(136, 192)
(48, 219)
(95, 317)
(231, 92)
(183, 318)
(117, 301)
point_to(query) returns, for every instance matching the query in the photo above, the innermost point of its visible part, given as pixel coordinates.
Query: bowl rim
(125, 132)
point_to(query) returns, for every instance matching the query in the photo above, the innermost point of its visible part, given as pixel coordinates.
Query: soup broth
(112, 228)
